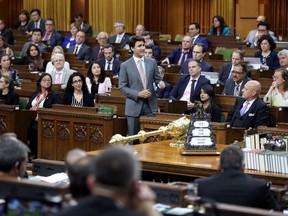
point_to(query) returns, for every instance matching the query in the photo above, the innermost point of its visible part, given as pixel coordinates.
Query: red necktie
(100, 52)
(75, 50)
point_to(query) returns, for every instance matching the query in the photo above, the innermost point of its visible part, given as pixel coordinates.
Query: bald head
(74, 155)
(261, 18)
(251, 90)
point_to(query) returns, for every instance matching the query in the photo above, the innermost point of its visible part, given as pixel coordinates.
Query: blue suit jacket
(258, 114)
(55, 39)
(164, 93)
(84, 53)
(204, 67)
(124, 41)
(272, 60)
(156, 52)
(67, 40)
(115, 67)
(204, 40)
(175, 55)
(181, 84)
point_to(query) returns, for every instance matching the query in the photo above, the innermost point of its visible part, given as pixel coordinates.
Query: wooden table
(159, 157)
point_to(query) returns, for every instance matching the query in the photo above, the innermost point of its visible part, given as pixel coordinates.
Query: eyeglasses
(77, 81)
(46, 80)
(262, 30)
(102, 38)
(237, 72)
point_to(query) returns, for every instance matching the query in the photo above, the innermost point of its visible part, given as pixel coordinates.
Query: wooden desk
(62, 128)
(158, 157)
(16, 121)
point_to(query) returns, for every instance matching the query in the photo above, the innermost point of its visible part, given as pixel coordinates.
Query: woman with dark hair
(277, 94)
(4, 48)
(24, 17)
(7, 93)
(96, 80)
(76, 92)
(207, 97)
(267, 55)
(6, 69)
(42, 97)
(219, 27)
(33, 59)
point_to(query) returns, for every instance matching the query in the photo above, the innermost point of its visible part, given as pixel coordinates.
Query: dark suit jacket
(8, 35)
(96, 205)
(115, 67)
(272, 60)
(224, 72)
(175, 55)
(124, 41)
(235, 187)
(257, 115)
(84, 53)
(204, 40)
(12, 98)
(87, 28)
(181, 84)
(204, 67)
(156, 52)
(94, 53)
(30, 26)
(88, 99)
(55, 39)
(52, 98)
(230, 86)
(164, 93)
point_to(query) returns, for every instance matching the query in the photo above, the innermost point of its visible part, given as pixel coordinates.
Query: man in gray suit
(136, 79)
(234, 85)
(61, 74)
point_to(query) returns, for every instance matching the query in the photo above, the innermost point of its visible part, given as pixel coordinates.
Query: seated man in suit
(35, 39)
(233, 186)
(6, 33)
(36, 22)
(179, 55)
(249, 110)
(109, 63)
(149, 53)
(194, 32)
(165, 92)
(254, 33)
(82, 50)
(79, 21)
(283, 58)
(115, 187)
(149, 42)
(263, 28)
(120, 37)
(51, 37)
(13, 156)
(61, 74)
(198, 51)
(234, 85)
(226, 69)
(98, 51)
(188, 87)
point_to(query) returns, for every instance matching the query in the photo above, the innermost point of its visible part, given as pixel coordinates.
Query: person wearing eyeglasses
(254, 33)
(98, 51)
(277, 94)
(236, 83)
(51, 36)
(76, 92)
(263, 28)
(42, 97)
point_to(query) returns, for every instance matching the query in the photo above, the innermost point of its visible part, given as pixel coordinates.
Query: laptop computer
(253, 62)
(212, 76)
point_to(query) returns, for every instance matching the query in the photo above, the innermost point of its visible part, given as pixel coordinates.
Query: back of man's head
(13, 155)
(117, 168)
(232, 157)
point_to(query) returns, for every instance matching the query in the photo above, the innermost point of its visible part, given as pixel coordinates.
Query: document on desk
(53, 179)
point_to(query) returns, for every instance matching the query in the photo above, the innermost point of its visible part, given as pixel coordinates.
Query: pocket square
(251, 114)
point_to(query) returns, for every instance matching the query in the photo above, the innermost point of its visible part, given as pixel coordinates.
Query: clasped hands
(146, 93)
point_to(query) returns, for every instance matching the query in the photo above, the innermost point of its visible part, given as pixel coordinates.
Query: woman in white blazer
(96, 80)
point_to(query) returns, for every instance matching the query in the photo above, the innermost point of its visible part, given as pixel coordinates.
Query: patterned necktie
(142, 73)
(237, 90)
(244, 108)
(192, 91)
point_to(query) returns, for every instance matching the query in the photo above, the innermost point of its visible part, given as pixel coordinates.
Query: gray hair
(61, 56)
(283, 52)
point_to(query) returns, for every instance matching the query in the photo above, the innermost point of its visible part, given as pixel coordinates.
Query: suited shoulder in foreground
(233, 186)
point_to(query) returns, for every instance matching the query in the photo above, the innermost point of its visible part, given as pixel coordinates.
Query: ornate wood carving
(62, 130)
(48, 128)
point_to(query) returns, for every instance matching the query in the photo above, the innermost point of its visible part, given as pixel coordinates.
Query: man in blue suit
(109, 63)
(179, 55)
(249, 110)
(51, 37)
(194, 32)
(188, 87)
(198, 51)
